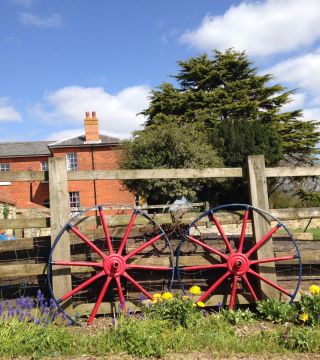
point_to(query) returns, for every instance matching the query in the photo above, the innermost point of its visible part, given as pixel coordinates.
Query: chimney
(91, 127)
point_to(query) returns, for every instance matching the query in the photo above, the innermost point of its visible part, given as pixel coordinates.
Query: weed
(277, 311)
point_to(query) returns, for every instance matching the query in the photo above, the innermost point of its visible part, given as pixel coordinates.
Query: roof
(7, 200)
(21, 149)
(80, 141)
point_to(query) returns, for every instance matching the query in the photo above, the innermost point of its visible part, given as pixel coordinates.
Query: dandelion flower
(156, 296)
(185, 297)
(195, 290)
(167, 295)
(314, 289)
(155, 301)
(200, 304)
(304, 317)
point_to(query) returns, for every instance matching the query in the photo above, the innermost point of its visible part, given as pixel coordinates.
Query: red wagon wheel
(231, 255)
(108, 262)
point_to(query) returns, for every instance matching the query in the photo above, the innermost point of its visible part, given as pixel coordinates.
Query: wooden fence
(27, 257)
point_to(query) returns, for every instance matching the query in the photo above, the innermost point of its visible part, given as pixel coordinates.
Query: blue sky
(60, 58)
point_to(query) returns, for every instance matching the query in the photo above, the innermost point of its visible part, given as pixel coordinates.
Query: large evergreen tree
(231, 109)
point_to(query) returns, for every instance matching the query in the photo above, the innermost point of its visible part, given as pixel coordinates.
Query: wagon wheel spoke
(269, 282)
(99, 300)
(273, 259)
(207, 247)
(81, 287)
(254, 295)
(87, 241)
(243, 230)
(233, 291)
(222, 233)
(127, 233)
(214, 286)
(143, 246)
(137, 285)
(106, 230)
(119, 288)
(262, 241)
(204, 267)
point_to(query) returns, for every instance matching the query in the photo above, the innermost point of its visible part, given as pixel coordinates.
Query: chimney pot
(93, 114)
(87, 114)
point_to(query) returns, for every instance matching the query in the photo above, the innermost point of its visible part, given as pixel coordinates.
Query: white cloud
(30, 19)
(8, 112)
(117, 113)
(65, 134)
(312, 114)
(261, 27)
(297, 102)
(302, 72)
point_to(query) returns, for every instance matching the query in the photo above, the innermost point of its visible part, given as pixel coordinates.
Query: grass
(155, 338)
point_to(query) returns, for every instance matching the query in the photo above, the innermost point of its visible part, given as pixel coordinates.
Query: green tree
(231, 109)
(169, 147)
(228, 87)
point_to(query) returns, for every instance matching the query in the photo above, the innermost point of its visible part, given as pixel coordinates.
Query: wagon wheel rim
(237, 263)
(113, 264)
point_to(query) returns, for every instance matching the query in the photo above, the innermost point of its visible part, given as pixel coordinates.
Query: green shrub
(277, 311)
(237, 316)
(301, 339)
(309, 306)
(178, 310)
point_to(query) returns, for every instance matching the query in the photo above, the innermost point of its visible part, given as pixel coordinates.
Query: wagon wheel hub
(114, 265)
(238, 264)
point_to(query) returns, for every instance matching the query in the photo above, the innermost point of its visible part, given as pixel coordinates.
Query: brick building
(91, 151)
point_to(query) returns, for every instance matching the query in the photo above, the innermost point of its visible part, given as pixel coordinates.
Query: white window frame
(4, 167)
(72, 161)
(74, 200)
(44, 165)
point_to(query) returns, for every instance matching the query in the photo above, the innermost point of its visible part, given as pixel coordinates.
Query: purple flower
(37, 322)
(219, 305)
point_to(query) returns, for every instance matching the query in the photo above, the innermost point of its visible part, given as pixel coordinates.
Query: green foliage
(6, 211)
(169, 147)
(277, 311)
(178, 311)
(301, 339)
(310, 305)
(238, 316)
(221, 111)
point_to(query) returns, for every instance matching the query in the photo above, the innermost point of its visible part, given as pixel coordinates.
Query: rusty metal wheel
(229, 254)
(114, 263)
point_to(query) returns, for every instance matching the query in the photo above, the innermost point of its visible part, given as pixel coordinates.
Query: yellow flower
(200, 304)
(185, 297)
(155, 301)
(304, 317)
(194, 304)
(314, 289)
(167, 295)
(156, 296)
(195, 290)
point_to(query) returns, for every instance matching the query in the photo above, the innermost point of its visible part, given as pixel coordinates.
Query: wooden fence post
(59, 216)
(259, 198)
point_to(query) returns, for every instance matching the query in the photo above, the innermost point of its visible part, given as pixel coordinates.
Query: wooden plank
(155, 174)
(25, 223)
(59, 204)
(23, 176)
(259, 198)
(292, 171)
(296, 213)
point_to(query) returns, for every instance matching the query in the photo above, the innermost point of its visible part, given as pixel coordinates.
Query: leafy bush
(301, 339)
(237, 316)
(178, 310)
(277, 311)
(309, 306)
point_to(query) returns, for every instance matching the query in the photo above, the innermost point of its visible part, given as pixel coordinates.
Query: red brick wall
(103, 158)
(26, 193)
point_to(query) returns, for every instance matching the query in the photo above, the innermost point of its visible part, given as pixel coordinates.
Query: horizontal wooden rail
(155, 174)
(159, 174)
(292, 171)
